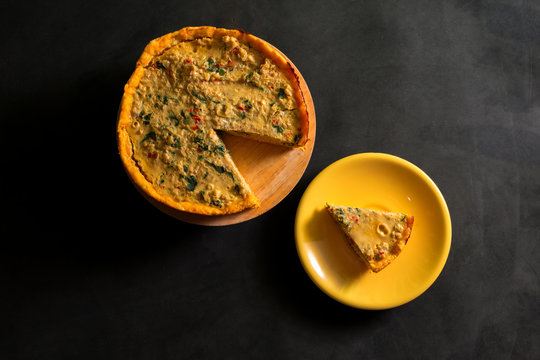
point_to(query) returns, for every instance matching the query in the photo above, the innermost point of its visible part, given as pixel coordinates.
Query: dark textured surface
(90, 270)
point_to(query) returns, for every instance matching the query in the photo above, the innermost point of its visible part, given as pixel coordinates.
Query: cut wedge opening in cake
(377, 237)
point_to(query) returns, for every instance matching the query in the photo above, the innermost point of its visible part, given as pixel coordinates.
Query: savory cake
(376, 236)
(187, 85)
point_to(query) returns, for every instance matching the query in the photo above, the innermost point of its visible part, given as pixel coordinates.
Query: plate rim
(447, 238)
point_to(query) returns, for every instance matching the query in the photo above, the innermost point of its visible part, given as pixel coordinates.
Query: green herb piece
(184, 116)
(201, 143)
(199, 158)
(255, 85)
(249, 105)
(216, 203)
(150, 135)
(191, 183)
(272, 104)
(220, 169)
(278, 128)
(249, 76)
(202, 194)
(297, 137)
(146, 122)
(160, 66)
(220, 150)
(281, 93)
(212, 67)
(171, 165)
(176, 143)
(201, 98)
(205, 176)
(185, 169)
(173, 117)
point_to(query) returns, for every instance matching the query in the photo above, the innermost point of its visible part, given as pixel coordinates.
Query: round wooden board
(271, 171)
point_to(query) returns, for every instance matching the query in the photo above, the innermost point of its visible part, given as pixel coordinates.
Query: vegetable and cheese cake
(376, 236)
(186, 86)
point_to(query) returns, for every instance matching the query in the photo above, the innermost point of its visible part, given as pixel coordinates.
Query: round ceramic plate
(380, 182)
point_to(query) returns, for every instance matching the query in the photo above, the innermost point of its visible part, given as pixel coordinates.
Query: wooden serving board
(271, 171)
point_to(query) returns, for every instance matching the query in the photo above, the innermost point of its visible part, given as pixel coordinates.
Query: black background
(90, 270)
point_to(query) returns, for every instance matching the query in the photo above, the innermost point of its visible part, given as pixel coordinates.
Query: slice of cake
(376, 236)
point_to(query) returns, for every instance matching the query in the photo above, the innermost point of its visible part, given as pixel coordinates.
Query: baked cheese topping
(377, 236)
(193, 88)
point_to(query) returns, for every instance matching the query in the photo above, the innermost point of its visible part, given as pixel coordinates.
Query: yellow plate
(381, 182)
